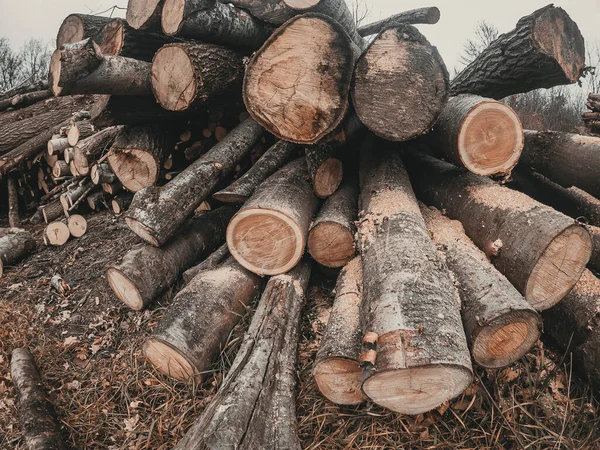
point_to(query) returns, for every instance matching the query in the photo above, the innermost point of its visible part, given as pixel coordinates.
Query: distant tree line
(26, 65)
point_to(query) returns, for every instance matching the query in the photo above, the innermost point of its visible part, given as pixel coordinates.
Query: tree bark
(14, 247)
(40, 85)
(57, 146)
(541, 251)
(301, 96)
(272, 11)
(72, 62)
(121, 202)
(215, 258)
(482, 135)
(52, 211)
(144, 14)
(60, 169)
(23, 100)
(112, 110)
(13, 203)
(71, 103)
(501, 326)
(39, 424)
(102, 174)
(428, 15)
(325, 168)
(198, 322)
(88, 150)
(77, 27)
(255, 406)
(268, 235)
(336, 369)
(400, 84)
(331, 235)
(96, 201)
(545, 49)
(147, 271)
(204, 71)
(78, 131)
(215, 22)
(409, 300)
(156, 213)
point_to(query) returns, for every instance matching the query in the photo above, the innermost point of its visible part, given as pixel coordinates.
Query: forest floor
(88, 348)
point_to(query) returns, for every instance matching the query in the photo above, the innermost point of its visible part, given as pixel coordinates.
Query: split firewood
(77, 225)
(331, 235)
(325, 167)
(102, 174)
(121, 202)
(80, 130)
(144, 14)
(147, 271)
(268, 235)
(482, 135)
(301, 96)
(14, 220)
(541, 251)
(89, 149)
(96, 201)
(14, 247)
(198, 323)
(215, 258)
(428, 15)
(61, 169)
(57, 234)
(255, 406)
(546, 49)
(156, 213)
(409, 301)
(52, 211)
(336, 369)
(39, 423)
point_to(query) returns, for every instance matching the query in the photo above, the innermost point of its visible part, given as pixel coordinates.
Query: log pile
(591, 118)
(319, 149)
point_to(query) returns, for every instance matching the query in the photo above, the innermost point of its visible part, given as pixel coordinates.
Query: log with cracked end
(14, 247)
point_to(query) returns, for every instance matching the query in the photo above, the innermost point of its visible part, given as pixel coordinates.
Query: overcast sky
(24, 19)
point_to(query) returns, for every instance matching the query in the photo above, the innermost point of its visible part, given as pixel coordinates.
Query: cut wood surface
(541, 251)
(90, 149)
(77, 27)
(121, 202)
(60, 169)
(102, 174)
(144, 14)
(215, 258)
(71, 62)
(268, 235)
(77, 225)
(96, 201)
(325, 167)
(57, 234)
(14, 247)
(197, 324)
(428, 15)
(58, 145)
(79, 131)
(546, 49)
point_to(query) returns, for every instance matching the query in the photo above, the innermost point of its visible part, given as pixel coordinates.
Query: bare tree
(360, 10)
(29, 64)
(10, 66)
(485, 34)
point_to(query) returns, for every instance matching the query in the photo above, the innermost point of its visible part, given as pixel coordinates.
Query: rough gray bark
(77, 27)
(102, 174)
(428, 15)
(23, 100)
(215, 258)
(52, 211)
(14, 247)
(325, 168)
(78, 131)
(72, 104)
(89, 149)
(272, 11)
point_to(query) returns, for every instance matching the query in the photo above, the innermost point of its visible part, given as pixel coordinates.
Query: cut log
(409, 302)
(272, 160)
(77, 27)
(91, 148)
(144, 14)
(121, 202)
(23, 100)
(482, 135)
(198, 322)
(137, 155)
(40, 85)
(567, 159)
(147, 271)
(301, 96)
(69, 104)
(203, 71)
(112, 110)
(272, 11)
(77, 225)
(102, 174)
(60, 169)
(80, 130)
(268, 235)
(400, 84)
(331, 235)
(39, 424)
(428, 15)
(72, 62)
(541, 251)
(325, 168)
(68, 155)
(57, 234)
(73, 197)
(546, 49)
(336, 369)
(52, 211)
(14, 247)
(255, 406)
(96, 201)
(213, 21)
(13, 203)
(56, 146)
(156, 213)
(215, 258)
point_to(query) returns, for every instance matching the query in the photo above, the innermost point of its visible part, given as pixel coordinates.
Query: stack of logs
(591, 118)
(439, 264)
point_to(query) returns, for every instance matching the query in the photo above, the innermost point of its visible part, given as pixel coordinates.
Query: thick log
(501, 326)
(60, 169)
(203, 72)
(427, 15)
(121, 202)
(72, 103)
(255, 406)
(56, 234)
(72, 62)
(88, 150)
(301, 96)
(336, 369)
(52, 211)
(482, 135)
(77, 27)
(409, 300)
(147, 271)
(198, 322)
(144, 14)
(325, 167)
(567, 159)
(400, 84)
(112, 110)
(331, 235)
(102, 174)
(77, 225)
(14, 247)
(215, 22)
(156, 213)
(546, 49)
(541, 251)
(215, 258)
(39, 423)
(268, 235)
(13, 203)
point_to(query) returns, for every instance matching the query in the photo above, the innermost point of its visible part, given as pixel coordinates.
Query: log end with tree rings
(140, 12)
(77, 225)
(116, 207)
(54, 75)
(173, 81)
(80, 162)
(172, 16)
(142, 231)
(113, 35)
(331, 244)
(72, 30)
(559, 267)
(301, 96)
(57, 233)
(328, 177)
(264, 241)
(169, 360)
(400, 84)
(339, 379)
(123, 287)
(135, 168)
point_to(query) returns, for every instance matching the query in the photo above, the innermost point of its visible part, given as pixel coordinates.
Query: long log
(400, 84)
(14, 247)
(23, 100)
(255, 406)
(215, 258)
(39, 424)
(501, 326)
(156, 213)
(301, 96)
(144, 14)
(40, 85)
(325, 167)
(541, 251)
(88, 150)
(336, 369)
(268, 235)
(546, 49)
(428, 15)
(409, 303)
(147, 271)
(73, 103)
(204, 71)
(13, 203)
(72, 62)
(198, 322)
(482, 135)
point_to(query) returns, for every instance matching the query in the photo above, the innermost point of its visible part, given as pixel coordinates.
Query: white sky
(24, 19)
